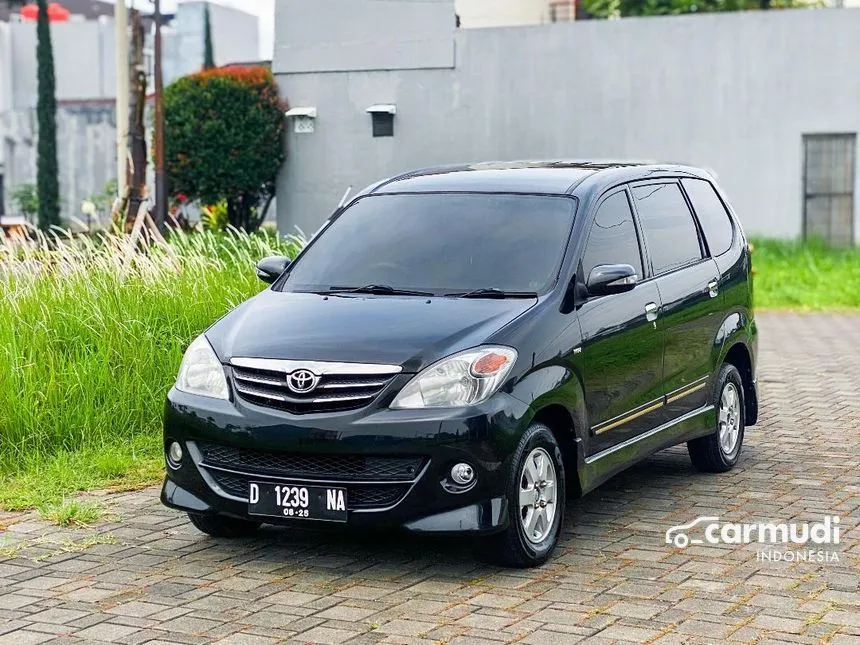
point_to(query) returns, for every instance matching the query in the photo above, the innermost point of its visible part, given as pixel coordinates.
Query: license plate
(297, 501)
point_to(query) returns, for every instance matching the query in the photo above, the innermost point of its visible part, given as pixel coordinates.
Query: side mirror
(270, 268)
(605, 279)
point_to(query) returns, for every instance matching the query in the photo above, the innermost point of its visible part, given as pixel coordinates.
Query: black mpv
(460, 348)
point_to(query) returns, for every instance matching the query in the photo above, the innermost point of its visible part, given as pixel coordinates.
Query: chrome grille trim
(336, 386)
(320, 368)
(342, 386)
(289, 399)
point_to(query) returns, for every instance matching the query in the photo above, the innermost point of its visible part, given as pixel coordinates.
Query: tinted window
(712, 214)
(668, 226)
(440, 243)
(612, 239)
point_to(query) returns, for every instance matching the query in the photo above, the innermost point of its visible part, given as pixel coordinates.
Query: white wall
(336, 35)
(502, 13)
(733, 92)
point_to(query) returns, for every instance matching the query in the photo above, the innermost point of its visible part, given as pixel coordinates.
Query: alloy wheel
(537, 495)
(729, 419)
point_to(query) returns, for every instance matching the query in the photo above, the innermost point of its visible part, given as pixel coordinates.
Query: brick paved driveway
(148, 577)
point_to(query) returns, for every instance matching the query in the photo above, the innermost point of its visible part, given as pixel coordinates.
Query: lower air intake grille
(359, 496)
(329, 467)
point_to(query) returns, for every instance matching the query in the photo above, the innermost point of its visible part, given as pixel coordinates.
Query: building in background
(515, 13)
(235, 35)
(84, 58)
(755, 96)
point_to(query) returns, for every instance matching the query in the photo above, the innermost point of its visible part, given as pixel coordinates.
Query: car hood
(394, 330)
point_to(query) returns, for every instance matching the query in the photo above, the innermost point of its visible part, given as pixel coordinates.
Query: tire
(221, 526)
(513, 547)
(719, 452)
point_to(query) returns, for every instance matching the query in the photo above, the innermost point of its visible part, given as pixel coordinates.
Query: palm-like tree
(47, 171)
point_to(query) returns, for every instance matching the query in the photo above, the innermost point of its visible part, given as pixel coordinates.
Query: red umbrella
(56, 12)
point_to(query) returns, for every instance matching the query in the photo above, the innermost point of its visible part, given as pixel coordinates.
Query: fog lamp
(462, 474)
(174, 454)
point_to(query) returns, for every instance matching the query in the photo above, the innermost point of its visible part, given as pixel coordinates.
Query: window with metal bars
(828, 187)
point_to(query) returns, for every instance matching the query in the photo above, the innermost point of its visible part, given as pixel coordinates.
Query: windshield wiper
(382, 289)
(492, 293)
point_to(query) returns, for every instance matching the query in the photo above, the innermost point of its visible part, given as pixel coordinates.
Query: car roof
(559, 177)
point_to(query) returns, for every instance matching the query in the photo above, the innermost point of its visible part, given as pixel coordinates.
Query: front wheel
(720, 451)
(536, 498)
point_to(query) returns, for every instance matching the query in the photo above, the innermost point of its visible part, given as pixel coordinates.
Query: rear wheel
(536, 498)
(720, 451)
(221, 526)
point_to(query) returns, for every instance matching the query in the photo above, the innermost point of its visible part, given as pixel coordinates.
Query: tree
(47, 168)
(25, 197)
(208, 52)
(224, 140)
(624, 8)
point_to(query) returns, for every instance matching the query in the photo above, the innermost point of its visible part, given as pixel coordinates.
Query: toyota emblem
(302, 381)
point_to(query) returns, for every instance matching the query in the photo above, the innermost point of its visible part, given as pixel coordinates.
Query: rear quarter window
(716, 223)
(668, 225)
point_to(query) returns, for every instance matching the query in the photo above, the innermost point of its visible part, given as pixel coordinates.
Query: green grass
(805, 276)
(73, 512)
(92, 332)
(91, 336)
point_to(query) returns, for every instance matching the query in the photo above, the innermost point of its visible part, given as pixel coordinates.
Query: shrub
(224, 140)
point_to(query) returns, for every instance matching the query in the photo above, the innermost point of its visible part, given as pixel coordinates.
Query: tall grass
(805, 276)
(91, 335)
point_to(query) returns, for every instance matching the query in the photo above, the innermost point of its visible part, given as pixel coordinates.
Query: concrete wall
(733, 92)
(85, 151)
(84, 65)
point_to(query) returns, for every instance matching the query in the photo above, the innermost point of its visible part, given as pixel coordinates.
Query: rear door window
(613, 239)
(716, 223)
(668, 226)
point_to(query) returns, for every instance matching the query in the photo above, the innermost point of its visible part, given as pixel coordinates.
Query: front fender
(554, 390)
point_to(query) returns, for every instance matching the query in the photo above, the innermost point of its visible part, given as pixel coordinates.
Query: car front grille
(359, 496)
(334, 393)
(313, 466)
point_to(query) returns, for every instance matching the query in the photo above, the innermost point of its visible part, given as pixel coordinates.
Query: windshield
(440, 243)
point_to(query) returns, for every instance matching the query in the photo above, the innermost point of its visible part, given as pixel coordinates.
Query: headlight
(466, 378)
(201, 372)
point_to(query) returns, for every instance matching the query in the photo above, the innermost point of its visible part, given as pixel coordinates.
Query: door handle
(651, 311)
(713, 288)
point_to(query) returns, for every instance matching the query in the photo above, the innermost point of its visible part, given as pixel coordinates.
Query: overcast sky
(263, 8)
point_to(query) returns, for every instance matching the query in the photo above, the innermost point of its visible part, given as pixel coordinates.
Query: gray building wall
(86, 135)
(235, 37)
(84, 65)
(733, 92)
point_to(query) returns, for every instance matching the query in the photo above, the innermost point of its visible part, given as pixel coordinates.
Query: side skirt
(601, 466)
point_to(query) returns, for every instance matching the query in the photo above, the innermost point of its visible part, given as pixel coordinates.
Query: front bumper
(208, 482)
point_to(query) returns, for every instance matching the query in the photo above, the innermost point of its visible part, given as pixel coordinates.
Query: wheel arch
(740, 356)
(559, 420)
